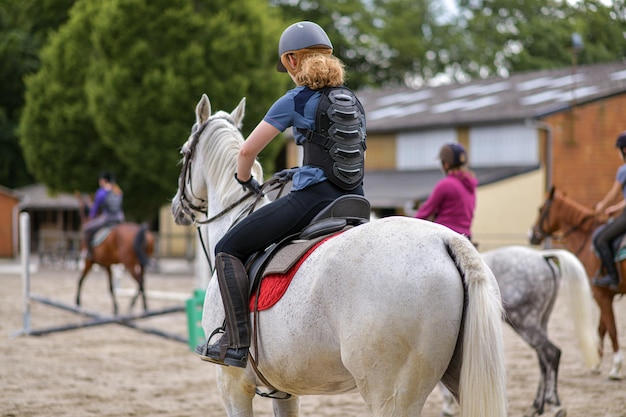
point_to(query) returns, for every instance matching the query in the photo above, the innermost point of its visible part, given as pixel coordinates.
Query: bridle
(186, 188)
(539, 231)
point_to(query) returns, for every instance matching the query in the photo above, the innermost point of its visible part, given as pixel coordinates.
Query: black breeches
(281, 218)
(613, 230)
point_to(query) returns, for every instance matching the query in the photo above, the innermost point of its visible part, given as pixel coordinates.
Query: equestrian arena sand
(113, 370)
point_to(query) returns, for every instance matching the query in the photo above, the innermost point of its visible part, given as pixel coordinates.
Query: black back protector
(338, 143)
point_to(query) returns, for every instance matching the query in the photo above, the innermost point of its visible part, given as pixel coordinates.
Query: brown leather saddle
(347, 211)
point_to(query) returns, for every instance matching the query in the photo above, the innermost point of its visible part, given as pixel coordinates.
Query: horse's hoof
(531, 412)
(596, 370)
(559, 411)
(616, 370)
(615, 376)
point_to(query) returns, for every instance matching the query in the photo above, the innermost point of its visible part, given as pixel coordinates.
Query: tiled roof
(518, 97)
(10, 193)
(36, 196)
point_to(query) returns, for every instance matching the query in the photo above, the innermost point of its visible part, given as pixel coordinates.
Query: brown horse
(129, 244)
(575, 224)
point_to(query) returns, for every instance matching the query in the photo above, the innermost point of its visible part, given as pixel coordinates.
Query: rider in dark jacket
(105, 210)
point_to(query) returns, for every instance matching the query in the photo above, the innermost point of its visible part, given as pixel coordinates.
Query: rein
(269, 183)
(574, 228)
(185, 178)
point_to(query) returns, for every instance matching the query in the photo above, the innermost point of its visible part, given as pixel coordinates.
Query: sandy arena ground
(112, 370)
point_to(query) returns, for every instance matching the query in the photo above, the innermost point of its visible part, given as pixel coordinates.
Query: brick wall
(584, 156)
(7, 205)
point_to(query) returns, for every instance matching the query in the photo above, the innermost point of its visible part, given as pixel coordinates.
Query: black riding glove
(251, 185)
(285, 175)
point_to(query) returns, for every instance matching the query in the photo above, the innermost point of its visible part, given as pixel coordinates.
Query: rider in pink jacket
(453, 199)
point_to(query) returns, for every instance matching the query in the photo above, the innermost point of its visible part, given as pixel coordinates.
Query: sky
(450, 5)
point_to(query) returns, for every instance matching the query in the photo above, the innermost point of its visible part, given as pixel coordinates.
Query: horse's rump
(119, 242)
(382, 301)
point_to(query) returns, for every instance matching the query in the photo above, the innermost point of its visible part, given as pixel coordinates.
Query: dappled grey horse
(529, 282)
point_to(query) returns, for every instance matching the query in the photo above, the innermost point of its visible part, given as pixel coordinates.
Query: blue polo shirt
(621, 177)
(297, 108)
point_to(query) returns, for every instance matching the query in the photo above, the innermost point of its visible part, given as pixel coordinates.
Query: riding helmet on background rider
(454, 155)
(621, 143)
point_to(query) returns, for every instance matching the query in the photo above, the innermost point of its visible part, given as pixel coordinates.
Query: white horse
(360, 314)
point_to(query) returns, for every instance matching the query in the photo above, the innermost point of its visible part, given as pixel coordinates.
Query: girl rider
(106, 209)
(603, 241)
(305, 53)
(453, 199)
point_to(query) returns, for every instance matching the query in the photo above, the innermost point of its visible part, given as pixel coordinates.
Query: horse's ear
(239, 112)
(203, 110)
(551, 194)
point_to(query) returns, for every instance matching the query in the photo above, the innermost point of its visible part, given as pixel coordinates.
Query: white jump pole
(25, 257)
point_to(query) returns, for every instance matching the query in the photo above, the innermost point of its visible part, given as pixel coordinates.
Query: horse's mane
(219, 147)
(574, 212)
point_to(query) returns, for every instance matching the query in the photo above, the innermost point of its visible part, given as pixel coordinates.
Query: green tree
(24, 27)
(349, 25)
(411, 30)
(504, 36)
(382, 42)
(119, 80)
(119, 83)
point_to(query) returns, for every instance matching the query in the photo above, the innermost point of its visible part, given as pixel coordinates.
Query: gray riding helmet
(621, 143)
(301, 35)
(621, 140)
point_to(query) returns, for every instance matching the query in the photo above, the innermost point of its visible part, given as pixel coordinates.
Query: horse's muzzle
(180, 217)
(534, 238)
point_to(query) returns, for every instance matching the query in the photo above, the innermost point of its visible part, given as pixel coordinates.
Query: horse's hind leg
(398, 382)
(86, 269)
(450, 405)
(549, 356)
(112, 290)
(137, 271)
(552, 355)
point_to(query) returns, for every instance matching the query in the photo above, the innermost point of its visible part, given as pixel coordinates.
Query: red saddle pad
(274, 286)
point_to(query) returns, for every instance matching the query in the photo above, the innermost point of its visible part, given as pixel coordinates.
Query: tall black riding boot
(611, 279)
(232, 348)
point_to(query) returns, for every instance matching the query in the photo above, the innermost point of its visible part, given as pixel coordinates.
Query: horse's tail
(482, 390)
(580, 301)
(140, 247)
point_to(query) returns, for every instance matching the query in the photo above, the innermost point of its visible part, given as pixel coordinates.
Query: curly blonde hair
(317, 70)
